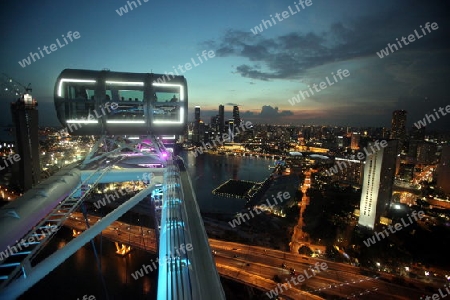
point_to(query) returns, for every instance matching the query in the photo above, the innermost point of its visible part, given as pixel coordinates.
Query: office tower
(340, 141)
(214, 123)
(426, 153)
(221, 118)
(443, 170)
(196, 131)
(385, 133)
(236, 118)
(378, 179)
(406, 172)
(307, 133)
(197, 114)
(354, 144)
(398, 128)
(413, 145)
(25, 118)
(231, 129)
(347, 170)
(202, 133)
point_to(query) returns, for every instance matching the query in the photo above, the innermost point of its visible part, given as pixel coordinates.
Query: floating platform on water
(236, 189)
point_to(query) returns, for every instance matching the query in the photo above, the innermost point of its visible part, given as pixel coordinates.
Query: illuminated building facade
(443, 170)
(379, 172)
(236, 117)
(25, 117)
(354, 144)
(398, 128)
(221, 118)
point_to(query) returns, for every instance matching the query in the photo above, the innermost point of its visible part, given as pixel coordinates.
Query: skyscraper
(379, 171)
(354, 145)
(231, 129)
(196, 132)
(398, 128)
(236, 118)
(426, 153)
(443, 170)
(214, 123)
(197, 114)
(340, 141)
(25, 117)
(221, 118)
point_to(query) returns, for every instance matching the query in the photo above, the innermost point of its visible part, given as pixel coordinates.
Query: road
(257, 267)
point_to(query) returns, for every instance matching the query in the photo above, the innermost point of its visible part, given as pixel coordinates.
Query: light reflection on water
(209, 171)
(78, 275)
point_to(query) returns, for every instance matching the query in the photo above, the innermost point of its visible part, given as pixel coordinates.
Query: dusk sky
(259, 72)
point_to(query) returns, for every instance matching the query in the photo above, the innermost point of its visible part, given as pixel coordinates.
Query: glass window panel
(130, 99)
(167, 105)
(82, 102)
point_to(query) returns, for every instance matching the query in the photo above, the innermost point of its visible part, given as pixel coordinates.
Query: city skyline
(295, 51)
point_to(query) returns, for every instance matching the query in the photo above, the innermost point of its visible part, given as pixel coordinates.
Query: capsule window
(130, 99)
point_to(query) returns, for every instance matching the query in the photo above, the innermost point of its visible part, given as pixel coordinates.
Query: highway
(135, 236)
(257, 266)
(339, 279)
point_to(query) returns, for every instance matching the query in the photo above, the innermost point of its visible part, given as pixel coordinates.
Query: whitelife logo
(380, 235)
(124, 9)
(24, 243)
(86, 297)
(323, 85)
(423, 123)
(27, 61)
(284, 15)
(282, 287)
(236, 222)
(171, 256)
(360, 156)
(146, 178)
(187, 66)
(411, 38)
(12, 158)
(107, 108)
(436, 296)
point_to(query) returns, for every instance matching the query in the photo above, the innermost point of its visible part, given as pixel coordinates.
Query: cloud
(267, 113)
(290, 55)
(232, 104)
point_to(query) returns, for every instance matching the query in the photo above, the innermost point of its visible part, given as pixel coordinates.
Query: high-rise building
(378, 179)
(354, 144)
(350, 171)
(398, 129)
(197, 114)
(443, 170)
(25, 118)
(221, 118)
(236, 118)
(196, 136)
(340, 141)
(231, 129)
(214, 123)
(426, 153)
